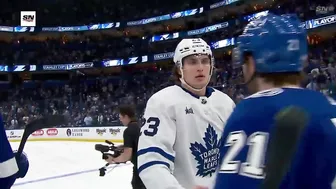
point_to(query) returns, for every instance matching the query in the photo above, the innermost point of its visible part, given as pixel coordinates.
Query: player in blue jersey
(10, 167)
(272, 51)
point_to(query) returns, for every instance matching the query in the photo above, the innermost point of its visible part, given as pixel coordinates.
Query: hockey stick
(45, 122)
(289, 125)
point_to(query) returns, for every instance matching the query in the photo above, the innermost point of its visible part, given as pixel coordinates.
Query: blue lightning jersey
(8, 165)
(247, 133)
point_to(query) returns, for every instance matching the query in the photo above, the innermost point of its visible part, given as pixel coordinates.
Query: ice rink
(57, 165)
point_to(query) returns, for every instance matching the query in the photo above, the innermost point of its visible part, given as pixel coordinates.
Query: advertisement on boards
(13, 134)
(101, 132)
(52, 132)
(38, 133)
(77, 132)
(114, 132)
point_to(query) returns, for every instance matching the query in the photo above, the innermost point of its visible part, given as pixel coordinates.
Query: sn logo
(28, 18)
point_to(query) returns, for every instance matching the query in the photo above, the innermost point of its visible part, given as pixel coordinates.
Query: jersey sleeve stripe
(151, 163)
(156, 150)
(8, 168)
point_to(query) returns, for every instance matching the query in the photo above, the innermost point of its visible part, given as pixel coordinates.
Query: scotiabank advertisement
(71, 134)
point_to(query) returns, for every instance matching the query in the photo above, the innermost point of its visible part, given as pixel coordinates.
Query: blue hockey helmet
(277, 44)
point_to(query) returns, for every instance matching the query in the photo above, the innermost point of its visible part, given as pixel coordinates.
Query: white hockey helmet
(189, 47)
(193, 46)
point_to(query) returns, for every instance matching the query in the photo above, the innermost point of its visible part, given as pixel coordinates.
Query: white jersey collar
(208, 92)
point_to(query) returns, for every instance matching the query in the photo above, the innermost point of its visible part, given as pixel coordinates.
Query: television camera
(116, 151)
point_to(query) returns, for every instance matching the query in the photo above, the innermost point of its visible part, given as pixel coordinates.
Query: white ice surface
(70, 165)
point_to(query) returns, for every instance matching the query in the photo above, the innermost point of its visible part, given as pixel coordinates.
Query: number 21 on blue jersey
(253, 165)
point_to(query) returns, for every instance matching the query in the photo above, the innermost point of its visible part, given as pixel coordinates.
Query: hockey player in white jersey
(180, 136)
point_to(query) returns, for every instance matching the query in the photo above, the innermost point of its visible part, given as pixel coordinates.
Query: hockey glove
(23, 165)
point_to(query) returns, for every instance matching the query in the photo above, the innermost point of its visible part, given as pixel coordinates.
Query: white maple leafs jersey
(180, 138)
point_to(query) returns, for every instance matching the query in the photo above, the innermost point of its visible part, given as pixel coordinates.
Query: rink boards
(84, 134)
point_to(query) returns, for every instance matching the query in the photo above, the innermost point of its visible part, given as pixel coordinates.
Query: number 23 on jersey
(153, 126)
(253, 164)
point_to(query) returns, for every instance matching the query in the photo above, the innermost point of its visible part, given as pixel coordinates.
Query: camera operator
(131, 137)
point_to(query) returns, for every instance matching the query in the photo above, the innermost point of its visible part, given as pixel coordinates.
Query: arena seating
(92, 100)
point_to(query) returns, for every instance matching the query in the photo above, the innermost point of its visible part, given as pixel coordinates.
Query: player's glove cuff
(23, 165)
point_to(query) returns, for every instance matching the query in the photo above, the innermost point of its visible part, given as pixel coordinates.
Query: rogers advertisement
(52, 132)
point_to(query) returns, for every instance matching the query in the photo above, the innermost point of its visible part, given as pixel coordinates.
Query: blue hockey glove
(23, 165)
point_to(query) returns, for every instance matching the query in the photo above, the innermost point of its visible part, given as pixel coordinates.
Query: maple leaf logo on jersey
(207, 156)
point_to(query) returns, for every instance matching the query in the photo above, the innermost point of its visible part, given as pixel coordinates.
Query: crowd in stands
(94, 101)
(84, 48)
(77, 12)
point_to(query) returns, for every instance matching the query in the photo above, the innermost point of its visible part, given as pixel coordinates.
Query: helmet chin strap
(193, 88)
